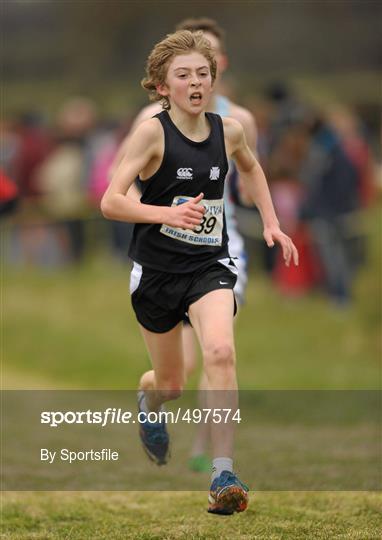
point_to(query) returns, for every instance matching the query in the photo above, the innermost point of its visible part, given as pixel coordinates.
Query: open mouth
(196, 97)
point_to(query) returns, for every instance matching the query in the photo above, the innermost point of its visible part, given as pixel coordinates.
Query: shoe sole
(233, 499)
(153, 457)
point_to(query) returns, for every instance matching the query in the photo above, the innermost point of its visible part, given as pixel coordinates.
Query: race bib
(209, 232)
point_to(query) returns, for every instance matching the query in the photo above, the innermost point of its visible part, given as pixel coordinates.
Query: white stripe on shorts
(135, 277)
(226, 262)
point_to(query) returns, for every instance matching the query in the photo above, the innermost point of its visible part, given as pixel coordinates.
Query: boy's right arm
(147, 112)
(144, 145)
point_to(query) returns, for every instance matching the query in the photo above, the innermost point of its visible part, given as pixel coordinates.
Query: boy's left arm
(257, 189)
(247, 120)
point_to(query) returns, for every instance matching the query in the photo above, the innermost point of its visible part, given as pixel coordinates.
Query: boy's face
(188, 82)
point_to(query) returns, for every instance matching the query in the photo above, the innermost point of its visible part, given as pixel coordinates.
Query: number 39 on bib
(209, 232)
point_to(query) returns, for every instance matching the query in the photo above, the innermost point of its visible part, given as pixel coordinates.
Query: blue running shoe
(154, 437)
(227, 495)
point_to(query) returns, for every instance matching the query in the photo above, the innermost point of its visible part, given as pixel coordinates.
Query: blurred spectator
(287, 193)
(287, 110)
(62, 178)
(10, 147)
(331, 197)
(262, 110)
(121, 232)
(34, 144)
(9, 194)
(281, 142)
(348, 128)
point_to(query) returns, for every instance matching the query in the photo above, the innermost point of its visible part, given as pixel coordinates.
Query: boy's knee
(221, 355)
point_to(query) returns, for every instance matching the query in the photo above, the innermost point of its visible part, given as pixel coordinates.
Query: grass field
(178, 515)
(74, 328)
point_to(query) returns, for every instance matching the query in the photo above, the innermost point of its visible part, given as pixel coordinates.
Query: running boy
(218, 103)
(180, 242)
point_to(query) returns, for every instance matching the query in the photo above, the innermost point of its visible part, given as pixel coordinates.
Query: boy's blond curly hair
(181, 42)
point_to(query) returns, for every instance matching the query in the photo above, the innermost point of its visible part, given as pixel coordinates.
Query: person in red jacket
(9, 194)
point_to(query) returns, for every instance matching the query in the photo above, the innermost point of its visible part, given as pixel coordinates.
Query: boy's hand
(274, 234)
(187, 215)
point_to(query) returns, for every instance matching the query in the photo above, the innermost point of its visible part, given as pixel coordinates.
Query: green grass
(79, 330)
(169, 515)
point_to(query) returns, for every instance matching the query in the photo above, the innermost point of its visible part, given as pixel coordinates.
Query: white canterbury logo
(214, 173)
(184, 173)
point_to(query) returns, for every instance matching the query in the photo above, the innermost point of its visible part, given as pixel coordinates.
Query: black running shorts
(161, 299)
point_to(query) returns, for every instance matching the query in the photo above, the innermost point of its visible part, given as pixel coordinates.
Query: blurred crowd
(322, 176)
(319, 165)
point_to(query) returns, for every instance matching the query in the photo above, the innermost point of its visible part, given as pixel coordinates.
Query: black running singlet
(187, 169)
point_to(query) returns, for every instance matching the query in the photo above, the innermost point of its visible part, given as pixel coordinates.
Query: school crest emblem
(214, 173)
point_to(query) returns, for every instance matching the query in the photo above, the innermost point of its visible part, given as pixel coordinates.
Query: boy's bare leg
(201, 438)
(165, 381)
(190, 353)
(212, 319)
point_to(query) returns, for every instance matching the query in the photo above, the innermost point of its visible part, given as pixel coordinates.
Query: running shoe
(154, 437)
(227, 495)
